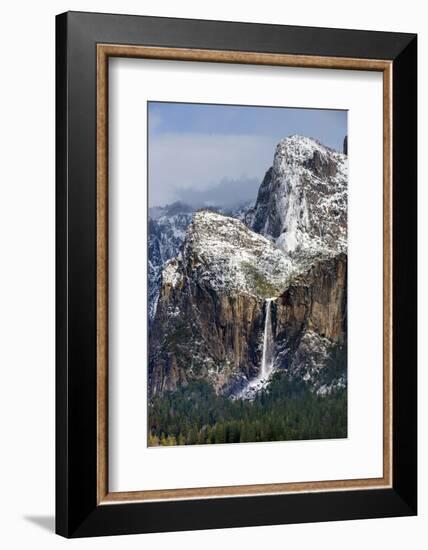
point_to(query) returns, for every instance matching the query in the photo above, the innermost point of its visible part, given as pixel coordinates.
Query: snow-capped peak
(298, 149)
(302, 201)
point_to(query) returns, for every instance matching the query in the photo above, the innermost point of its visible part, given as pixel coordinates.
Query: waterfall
(259, 382)
(267, 356)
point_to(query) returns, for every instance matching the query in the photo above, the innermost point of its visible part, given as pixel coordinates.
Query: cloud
(203, 167)
(228, 192)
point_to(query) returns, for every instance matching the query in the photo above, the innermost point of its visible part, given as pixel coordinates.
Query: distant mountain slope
(166, 231)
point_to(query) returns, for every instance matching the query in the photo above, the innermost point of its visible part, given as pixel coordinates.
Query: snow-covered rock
(230, 257)
(302, 202)
(166, 231)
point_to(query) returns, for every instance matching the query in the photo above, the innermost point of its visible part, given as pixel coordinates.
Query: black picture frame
(77, 511)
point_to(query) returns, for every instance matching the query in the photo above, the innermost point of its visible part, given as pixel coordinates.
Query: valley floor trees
(195, 415)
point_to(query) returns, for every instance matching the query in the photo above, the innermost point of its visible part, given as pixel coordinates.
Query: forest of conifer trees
(288, 410)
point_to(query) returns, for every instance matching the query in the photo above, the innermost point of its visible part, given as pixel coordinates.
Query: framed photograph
(236, 274)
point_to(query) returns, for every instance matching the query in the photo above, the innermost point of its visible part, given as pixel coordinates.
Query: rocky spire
(302, 201)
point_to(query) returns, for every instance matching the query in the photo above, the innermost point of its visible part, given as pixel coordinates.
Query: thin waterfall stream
(267, 356)
(266, 365)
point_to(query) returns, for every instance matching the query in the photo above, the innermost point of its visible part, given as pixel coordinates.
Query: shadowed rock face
(315, 301)
(260, 214)
(322, 166)
(219, 342)
(310, 319)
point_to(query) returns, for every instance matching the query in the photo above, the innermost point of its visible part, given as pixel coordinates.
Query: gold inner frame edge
(104, 52)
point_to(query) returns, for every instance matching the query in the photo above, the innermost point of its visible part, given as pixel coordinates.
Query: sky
(205, 154)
